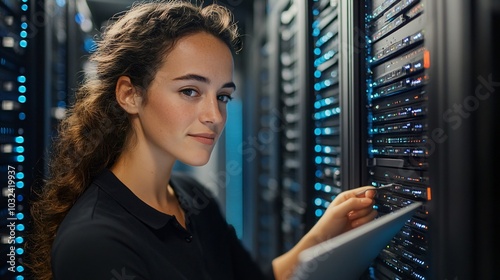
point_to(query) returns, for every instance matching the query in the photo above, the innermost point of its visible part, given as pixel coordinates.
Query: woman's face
(186, 108)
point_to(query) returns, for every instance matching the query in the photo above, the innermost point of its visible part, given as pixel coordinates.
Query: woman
(112, 208)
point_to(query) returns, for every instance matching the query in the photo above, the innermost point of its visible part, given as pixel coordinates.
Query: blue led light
(318, 173)
(20, 227)
(21, 98)
(61, 104)
(23, 34)
(318, 212)
(22, 116)
(24, 7)
(324, 39)
(79, 18)
(19, 277)
(22, 89)
(317, 148)
(317, 74)
(20, 158)
(326, 113)
(20, 175)
(19, 240)
(317, 186)
(317, 201)
(318, 160)
(20, 268)
(61, 3)
(24, 25)
(20, 185)
(20, 197)
(19, 251)
(23, 43)
(20, 216)
(21, 79)
(317, 51)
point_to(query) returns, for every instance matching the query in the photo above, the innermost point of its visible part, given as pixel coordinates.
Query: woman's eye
(225, 98)
(189, 92)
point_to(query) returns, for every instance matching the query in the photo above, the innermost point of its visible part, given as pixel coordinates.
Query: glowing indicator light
(318, 212)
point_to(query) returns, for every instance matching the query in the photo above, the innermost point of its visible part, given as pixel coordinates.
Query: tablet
(347, 256)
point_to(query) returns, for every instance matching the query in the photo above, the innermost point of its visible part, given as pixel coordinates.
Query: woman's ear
(127, 96)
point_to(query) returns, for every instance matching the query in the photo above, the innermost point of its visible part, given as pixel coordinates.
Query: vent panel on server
(397, 63)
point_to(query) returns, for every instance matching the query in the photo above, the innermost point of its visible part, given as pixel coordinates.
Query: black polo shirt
(111, 234)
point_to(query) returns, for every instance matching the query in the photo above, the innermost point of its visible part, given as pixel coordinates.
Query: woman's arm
(348, 210)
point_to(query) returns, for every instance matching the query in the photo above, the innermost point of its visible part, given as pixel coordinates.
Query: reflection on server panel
(325, 34)
(14, 94)
(396, 69)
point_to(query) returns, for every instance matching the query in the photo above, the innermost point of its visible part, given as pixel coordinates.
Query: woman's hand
(348, 210)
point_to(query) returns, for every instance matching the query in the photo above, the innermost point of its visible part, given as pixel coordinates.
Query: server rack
(326, 103)
(293, 170)
(56, 70)
(261, 147)
(404, 68)
(278, 169)
(396, 74)
(18, 145)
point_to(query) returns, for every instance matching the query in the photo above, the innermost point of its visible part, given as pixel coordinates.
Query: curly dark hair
(92, 135)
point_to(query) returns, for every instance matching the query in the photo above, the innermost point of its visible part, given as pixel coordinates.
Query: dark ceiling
(102, 10)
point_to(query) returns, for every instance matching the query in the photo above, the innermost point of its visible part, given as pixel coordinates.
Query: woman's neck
(147, 177)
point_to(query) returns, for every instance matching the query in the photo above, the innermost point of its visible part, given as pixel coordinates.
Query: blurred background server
(332, 94)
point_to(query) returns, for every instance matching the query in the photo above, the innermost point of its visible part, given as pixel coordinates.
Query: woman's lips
(204, 138)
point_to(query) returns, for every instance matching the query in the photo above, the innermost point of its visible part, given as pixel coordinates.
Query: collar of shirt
(110, 184)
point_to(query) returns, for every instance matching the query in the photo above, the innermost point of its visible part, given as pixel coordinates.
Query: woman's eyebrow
(202, 79)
